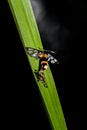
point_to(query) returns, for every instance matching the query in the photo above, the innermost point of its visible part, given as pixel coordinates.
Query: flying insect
(44, 57)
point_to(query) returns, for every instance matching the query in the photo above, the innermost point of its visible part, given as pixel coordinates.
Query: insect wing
(32, 52)
(52, 59)
(48, 51)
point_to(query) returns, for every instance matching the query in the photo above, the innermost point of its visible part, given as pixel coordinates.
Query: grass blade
(27, 28)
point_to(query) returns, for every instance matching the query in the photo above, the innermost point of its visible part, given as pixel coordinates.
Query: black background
(21, 103)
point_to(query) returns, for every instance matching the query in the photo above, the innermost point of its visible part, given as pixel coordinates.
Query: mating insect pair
(44, 57)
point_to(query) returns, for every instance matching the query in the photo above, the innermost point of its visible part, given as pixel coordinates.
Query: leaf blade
(28, 30)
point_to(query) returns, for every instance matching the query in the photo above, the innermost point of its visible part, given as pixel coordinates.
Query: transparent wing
(32, 52)
(52, 59)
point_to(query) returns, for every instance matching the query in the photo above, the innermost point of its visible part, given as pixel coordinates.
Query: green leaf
(28, 31)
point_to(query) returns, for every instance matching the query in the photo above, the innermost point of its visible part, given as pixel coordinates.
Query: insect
(40, 77)
(44, 57)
